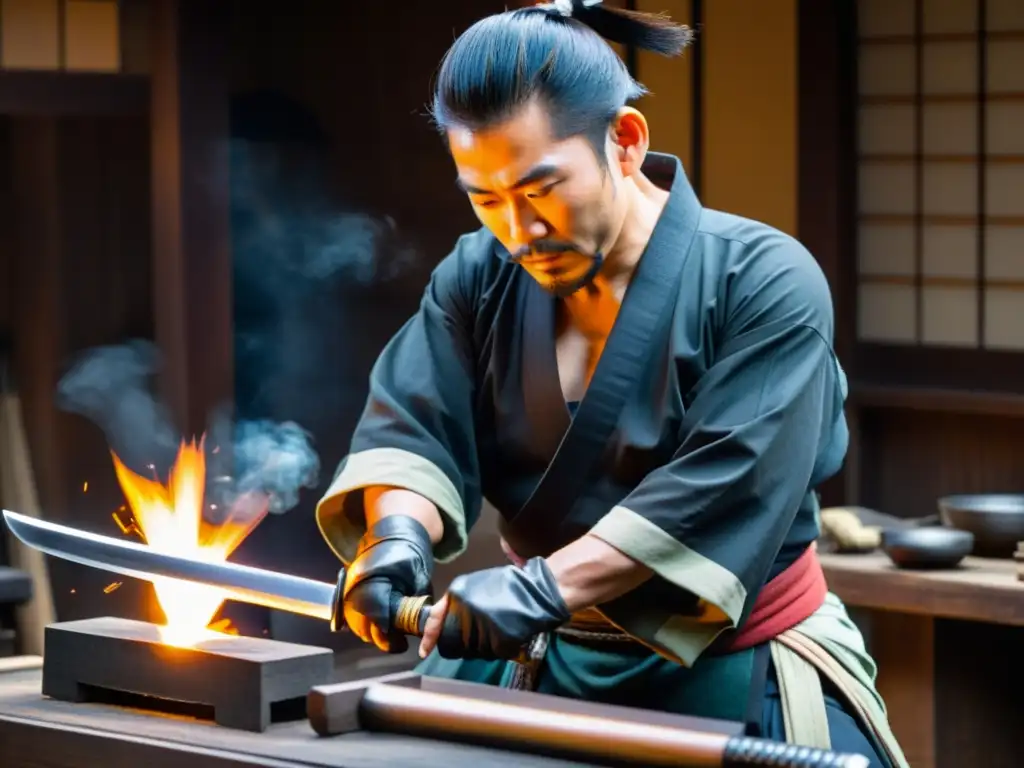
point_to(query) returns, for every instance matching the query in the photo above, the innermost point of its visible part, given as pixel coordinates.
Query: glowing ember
(169, 518)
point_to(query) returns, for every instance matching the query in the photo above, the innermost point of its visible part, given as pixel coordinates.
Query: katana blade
(246, 584)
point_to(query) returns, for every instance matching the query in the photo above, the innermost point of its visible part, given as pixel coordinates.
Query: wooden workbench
(36, 732)
(978, 590)
(949, 645)
(950, 651)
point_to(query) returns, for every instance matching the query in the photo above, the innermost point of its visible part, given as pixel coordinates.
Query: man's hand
(394, 555)
(492, 614)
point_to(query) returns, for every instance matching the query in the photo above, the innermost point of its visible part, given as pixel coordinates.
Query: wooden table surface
(36, 732)
(980, 589)
(947, 644)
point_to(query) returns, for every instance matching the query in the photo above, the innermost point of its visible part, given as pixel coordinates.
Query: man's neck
(646, 202)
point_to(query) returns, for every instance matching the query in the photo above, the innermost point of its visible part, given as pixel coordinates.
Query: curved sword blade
(270, 589)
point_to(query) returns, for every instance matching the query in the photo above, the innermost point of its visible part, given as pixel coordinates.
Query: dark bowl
(929, 547)
(995, 519)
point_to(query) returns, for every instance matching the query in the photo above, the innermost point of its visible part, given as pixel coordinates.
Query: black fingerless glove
(494, 613)
(394, 556)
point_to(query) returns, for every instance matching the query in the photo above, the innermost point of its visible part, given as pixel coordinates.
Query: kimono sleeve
(761, 429)
(417, 429)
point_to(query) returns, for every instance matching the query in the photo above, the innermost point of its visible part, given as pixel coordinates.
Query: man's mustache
(541, 247)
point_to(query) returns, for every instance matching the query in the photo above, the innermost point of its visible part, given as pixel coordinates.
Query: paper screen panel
(949, 16)
(886, 70)
(91, 36)
(29, 34)
(1004, 318)
(885, 249)
(949, 316)
(1004, 189)
(949, 129)
(886, 313)
(1004, 127)
(886, 129)
(949, 68)
(878, 18)
(1004, 15)
(886, 188)
(1004, 253)
(950, 189)
(949, 251)
(1005, 72)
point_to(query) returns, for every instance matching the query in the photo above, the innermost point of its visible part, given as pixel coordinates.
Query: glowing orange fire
(170, 519)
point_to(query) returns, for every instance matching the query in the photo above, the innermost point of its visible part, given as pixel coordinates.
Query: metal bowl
(929, 547)
(996, 520)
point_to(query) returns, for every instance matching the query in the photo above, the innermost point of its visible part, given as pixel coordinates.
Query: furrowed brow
(535, 174)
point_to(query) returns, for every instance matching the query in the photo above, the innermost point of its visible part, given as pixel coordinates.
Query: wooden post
(825, 198)
(39, 303)
(190, 198)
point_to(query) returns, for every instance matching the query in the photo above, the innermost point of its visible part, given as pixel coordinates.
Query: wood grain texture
(190, 198)
(978, 683)
(241, 678)
(947, 644)
(333, 708)
(46, 733)
(909, 459)
(903, 647)
(62, 93)
(20, 663)
(980, 590)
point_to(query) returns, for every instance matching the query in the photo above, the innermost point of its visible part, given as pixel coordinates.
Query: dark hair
(504, 61)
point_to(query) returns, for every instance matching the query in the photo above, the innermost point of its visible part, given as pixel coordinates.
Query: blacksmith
(645, 388)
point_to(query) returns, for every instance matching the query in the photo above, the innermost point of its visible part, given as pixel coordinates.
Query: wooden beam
(937, 400)
(825, 192)
(191, 226)
(64, 93)
(39, 337)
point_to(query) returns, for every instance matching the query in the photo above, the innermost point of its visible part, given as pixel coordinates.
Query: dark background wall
(342, 200)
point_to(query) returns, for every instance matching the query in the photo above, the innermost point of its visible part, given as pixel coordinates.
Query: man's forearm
(591, 571)
(382, 501)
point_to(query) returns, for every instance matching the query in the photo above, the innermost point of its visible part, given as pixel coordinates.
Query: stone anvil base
(245, 681)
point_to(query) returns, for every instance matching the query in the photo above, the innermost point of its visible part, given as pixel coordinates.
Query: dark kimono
(730, 413)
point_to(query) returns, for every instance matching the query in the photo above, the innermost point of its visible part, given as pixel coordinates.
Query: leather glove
(493, 613)
(394, 555)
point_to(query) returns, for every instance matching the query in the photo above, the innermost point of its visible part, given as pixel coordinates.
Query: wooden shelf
(937, 400)
(980, 589)
(67, 93)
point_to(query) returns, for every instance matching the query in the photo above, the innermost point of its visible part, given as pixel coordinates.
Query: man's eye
(543, 192)
(486, 203)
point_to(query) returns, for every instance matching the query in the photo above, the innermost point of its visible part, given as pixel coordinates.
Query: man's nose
(525, 227)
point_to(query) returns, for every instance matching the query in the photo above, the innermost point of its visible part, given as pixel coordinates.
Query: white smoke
(112, 387)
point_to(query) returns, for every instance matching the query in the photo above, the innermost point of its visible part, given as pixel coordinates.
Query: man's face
(550, 203)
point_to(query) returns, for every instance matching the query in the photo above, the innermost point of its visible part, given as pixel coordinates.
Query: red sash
(785, 601)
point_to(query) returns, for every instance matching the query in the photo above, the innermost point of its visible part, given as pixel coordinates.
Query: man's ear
(631, 139)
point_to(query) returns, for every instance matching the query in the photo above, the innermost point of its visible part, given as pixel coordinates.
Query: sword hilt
(408, 614)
